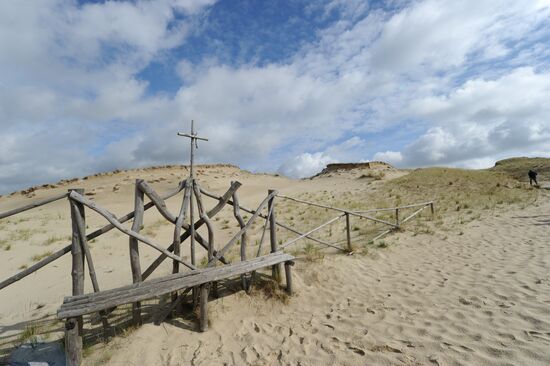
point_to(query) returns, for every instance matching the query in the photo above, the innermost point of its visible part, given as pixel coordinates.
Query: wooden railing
(360, 214)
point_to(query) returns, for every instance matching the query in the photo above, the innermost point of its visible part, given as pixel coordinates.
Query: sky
(276, 86)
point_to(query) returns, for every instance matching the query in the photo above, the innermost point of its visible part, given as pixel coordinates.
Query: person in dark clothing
(532, 177)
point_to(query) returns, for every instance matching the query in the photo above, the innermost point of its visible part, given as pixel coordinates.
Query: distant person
(532, 177)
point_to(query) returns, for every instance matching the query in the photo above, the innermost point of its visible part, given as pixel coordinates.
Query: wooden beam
(32, 205)
(95, 302)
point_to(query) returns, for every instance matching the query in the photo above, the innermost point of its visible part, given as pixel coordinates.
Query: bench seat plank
(84, 304)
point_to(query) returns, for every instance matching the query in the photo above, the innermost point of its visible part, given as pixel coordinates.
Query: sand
(479, 295)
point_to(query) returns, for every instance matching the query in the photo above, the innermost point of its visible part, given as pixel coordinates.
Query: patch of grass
(382, 244)
(270, 289)
(312, 253)
(29, 334)
(52, 239)
(21, 234)
(38, 257)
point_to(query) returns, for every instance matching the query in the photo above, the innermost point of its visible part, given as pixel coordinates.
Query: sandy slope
(479, 296)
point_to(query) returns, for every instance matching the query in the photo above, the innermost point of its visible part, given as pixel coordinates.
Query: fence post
(397, 216)
(74, 326)
(348, 232)
(276, 271)
(432, 209)
(134, 248)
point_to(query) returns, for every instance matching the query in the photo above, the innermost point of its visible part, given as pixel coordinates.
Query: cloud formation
(412, 82)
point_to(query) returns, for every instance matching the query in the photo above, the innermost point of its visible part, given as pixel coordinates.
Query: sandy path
(480, 298)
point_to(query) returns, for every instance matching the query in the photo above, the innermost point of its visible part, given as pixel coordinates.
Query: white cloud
(392, 157)
(71, 70)
(305, 165)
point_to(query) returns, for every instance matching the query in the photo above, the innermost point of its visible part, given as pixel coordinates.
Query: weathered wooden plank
(33, 205)
(221, 202)
(145, 290)
(112, 219)
(172, 277)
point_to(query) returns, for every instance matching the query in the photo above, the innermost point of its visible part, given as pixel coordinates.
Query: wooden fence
(345, 213)
(82, 256)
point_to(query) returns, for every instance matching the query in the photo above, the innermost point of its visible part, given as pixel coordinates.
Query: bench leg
(203, 318)
(73, 341)
(215, 289)
(288, 274)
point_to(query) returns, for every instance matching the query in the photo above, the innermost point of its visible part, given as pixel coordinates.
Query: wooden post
(74, 326)
(203, 315)
(276, 270)
(432, 209)
(244, 238)
(134, 248)
(348, 232)
(397, 216)
(288, 275)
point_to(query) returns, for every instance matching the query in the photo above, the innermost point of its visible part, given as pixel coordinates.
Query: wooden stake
(74, 326)
(203, 317)
(239, 218)
(276, 269)
(288, 275)
(91, 269)
(397, 217)
(348, 233)
(135, 264)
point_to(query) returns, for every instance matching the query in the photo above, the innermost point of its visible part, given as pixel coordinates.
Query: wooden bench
(75, 306)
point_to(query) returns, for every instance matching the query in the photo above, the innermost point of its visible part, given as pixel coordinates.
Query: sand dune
(480, 298)
(474, 294)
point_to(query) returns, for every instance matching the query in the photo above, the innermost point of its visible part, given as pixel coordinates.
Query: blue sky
(285, 86)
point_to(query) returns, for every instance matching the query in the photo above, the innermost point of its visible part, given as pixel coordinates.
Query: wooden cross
(193, 136)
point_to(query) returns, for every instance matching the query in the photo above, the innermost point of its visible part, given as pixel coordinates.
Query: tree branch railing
(60, 253)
